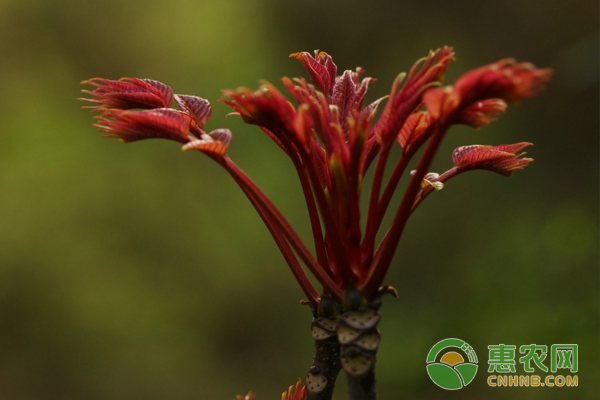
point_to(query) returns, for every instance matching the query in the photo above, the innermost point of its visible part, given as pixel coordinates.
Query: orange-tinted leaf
(439, 100)
(214, 147)
(295, 393)
(414, 128)
(303, 124)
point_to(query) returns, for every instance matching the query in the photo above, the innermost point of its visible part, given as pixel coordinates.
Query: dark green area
(444, 376)
(140, 272)
(467, 372)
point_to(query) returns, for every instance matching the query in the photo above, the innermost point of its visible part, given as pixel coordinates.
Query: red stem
(385, 253)
(333, 234)
(372, 226)
(391, 186)
(407, 155)
(356, 143)
(286, 250)
(275, 215)
(313, 214)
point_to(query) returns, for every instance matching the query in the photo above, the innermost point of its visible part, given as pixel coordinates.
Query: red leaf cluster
(331, 138)
(117, 102)
(505, 80)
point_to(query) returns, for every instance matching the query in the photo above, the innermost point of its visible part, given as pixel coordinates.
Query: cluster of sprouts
(332, 137)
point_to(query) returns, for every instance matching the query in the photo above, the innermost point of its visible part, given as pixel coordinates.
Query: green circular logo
(452, 364)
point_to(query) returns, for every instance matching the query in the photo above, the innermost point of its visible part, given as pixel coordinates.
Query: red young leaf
(405, 96)
(369, 110)
(321, 69)
(481, 113)
(501, 159)
(321, 163)
(505, 80)
(361, 90)
(130, 125)
(128, 93)
(321, 116)
(266, 107)
(414, 128)
(161, 90)
(438, 100)
(198, 108)
(344, 93)
(222, 135)
(303, 125)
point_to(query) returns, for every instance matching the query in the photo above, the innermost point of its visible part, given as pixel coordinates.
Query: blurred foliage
(135, 271)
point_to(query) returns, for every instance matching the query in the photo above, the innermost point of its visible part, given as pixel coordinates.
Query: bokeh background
(141, 272)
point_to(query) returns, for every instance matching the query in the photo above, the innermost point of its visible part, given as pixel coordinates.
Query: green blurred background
(140, 272)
